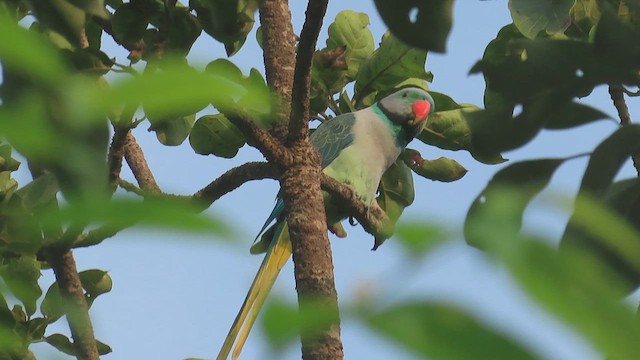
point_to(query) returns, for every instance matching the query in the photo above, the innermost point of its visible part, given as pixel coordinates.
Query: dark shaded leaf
(215, 134)
(62, 343)
(37, 327)
(521, 182)
(183, 31)
(442, 331)
(226, 21)
(421, 24)
(534, 16)
(597, 185)
(62, 17)
(37, 193)
(391, 64)
(172, 132)
(573, 114)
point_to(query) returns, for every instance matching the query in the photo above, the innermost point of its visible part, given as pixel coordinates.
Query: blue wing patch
(332, 136)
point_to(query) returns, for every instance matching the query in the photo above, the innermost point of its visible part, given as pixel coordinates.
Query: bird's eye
(404, 95)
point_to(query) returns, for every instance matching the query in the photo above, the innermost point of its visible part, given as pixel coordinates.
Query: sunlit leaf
(95, 282)
(442, 331)
(21, 275)
(422, 24)
(442, 169)
(350, 29)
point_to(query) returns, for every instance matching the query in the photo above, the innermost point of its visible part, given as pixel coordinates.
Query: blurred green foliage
(58, 102)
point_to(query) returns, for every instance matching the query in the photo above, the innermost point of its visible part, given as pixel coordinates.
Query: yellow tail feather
(277, 255)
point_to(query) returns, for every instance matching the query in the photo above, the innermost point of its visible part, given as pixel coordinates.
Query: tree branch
(139, 166)
(372, 218)
(77, 310)
(299, 120)
(233, 179)
(116, 153)
(617, 96)
(279, 56)
(259, 138)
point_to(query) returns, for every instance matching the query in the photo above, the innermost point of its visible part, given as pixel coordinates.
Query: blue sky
(176, 294)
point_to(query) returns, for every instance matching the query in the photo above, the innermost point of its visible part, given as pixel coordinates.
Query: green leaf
(37, 193)
(573, 114)
(172, 132)
(419, 238)
(62, 17)
(28, 54)
(226, 21)
(184, 30)
(95, 282)
(129, 24)
(533, 16)
(441, 331)
(53, 306)
(215, 134)
(442, 169)
(396, 192)
(121, 213)
(616, 36)
(574, 287)
(7, 163)
(453, 130)
(391, 64)
(280, 324)
(597, 185)
(62, 343)
(421, 24)
(520, 182)
(36, 328)
(92, 7)
(350, 29)
(21, 275)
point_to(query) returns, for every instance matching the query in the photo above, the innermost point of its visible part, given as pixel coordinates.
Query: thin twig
(617, 96)
(299, 120)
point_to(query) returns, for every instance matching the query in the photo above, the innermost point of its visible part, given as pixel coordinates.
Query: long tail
(277, 255)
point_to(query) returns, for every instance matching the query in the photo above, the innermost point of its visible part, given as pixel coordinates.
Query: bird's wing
(332, 136)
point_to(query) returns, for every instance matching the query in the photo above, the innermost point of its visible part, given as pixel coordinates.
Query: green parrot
(356, 149)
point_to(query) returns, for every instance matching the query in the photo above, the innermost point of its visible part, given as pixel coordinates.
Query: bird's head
(409, 108)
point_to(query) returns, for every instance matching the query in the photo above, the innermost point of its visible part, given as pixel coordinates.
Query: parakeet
(356, 149)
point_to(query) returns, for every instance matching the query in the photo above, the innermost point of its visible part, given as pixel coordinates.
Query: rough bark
(279, 56)
(138, 164)
(313, 264)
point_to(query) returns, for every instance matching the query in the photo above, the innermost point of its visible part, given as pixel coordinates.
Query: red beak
(421, 109)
